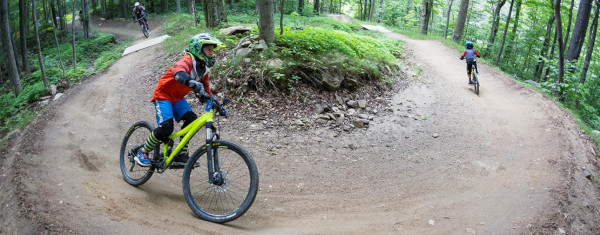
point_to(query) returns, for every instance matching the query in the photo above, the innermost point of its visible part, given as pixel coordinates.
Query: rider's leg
(469, 72)
(183, 112)
(475, 64)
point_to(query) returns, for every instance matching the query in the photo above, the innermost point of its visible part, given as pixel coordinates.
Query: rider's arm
(477, 54)
(206, 84)
(463, 55)
(182, 69)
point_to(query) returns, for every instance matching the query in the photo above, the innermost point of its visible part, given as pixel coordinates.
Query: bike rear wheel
(145, 31)
(229, 200)
(135, 138)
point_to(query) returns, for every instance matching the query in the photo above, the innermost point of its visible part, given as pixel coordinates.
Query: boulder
(275, 63)
(243, 52)
(57, 96)
(362, 104)
(351, 112)
(53, 89)
(352, 104)
(331, 83)
(235, 30)
(262, 45)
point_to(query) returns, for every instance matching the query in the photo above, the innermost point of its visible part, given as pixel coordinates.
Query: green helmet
(468, 44)
(198, 42)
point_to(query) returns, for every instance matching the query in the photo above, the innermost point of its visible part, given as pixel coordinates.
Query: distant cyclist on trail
(471, 55)
(190, 73)
(139, 12)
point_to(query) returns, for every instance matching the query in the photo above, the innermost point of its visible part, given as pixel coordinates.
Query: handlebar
(218, 107)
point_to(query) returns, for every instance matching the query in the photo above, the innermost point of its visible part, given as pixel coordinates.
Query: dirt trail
(498, 165)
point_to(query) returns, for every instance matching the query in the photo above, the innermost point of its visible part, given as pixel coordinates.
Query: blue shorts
(165, 110)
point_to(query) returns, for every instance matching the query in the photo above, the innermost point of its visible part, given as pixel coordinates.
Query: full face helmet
(198, 42)
(469, 45)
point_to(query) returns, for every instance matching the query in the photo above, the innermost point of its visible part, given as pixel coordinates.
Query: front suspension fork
(212, 157)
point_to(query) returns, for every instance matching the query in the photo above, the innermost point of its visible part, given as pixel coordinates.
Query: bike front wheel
(227, 200)
(145, 31)
(135, 138)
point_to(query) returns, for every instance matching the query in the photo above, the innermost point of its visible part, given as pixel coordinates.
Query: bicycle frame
(189, 131)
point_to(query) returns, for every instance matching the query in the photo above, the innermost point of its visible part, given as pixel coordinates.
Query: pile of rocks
(348, 115)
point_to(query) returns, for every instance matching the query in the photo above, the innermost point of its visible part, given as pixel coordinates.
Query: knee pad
(188, 118)
(163, 131)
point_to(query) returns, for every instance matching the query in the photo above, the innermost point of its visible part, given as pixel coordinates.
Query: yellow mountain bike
(220, 180)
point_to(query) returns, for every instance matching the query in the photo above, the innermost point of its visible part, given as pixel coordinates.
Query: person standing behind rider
(471, 55)
(190, 73)
(139, 12)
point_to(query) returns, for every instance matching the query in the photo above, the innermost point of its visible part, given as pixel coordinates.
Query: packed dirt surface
(439, 160)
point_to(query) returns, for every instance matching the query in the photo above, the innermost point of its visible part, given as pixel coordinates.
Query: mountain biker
(471, 55)
(190, 73)
(139, 12)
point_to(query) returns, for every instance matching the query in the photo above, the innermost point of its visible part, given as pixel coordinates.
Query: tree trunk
(591, 42)
(123, 8)
(86, 18)
(448, 19)
(178, 2)
(579, 30)
(513, 35)
(540, 66)
(425, 15)
(380, 11)
(165, 5)
(265, 21)
(300, 6)
(214, 12)
(94, 6)
(53, 13)
(505, 31)
(189, 6)
(61, 14)
(58, 49)
(569, 24)
(103, 7)
(316, 7)
(44, 10)
(495, 23)
(371, 9)
(23, 35)
(281, 17)
(561, 50)
(39, 48)
(195, 13)
(73, 35)
(460, 22)
(8, 48)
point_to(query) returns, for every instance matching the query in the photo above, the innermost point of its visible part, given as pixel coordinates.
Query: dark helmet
(469, 45)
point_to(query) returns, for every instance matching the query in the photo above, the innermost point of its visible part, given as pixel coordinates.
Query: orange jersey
(169, 89)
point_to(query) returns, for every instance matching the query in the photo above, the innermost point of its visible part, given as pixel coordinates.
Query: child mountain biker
(189, 73)
(139, 13)
(471, 55)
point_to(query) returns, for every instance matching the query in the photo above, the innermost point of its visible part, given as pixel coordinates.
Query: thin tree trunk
(281, 18)
(86, 18)
(195, 13)
(189, 6)
(61, 14)
(380, 11)
(505, 31)
(58, 50)
(591, 42)
(73, 34)
(579, 31)
(123, 8)
(39, 48)
(165, 5)
(371, 9)
(178, 2)
(569, 24)
(23, 37)
(561, 50)
(547, 70)
(495, 24)
(94, 6)
(316, 7)
(300, 6)
(540, 66)
(103, 7)
(514, 29)
(6, 40)
(460, 22)
(448, 19)
(44, 10)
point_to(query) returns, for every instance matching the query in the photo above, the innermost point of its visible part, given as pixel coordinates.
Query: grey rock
(347, 128)
(435, 135)
(46, 97)
(331, 83)
(322, 121)
(339, 100)
(330, 122)
(45, 102)
(331, 116)
(275, 63)
(351, 112)
(243, 52)
(245, 44)
(235, 30)
(533, 83)
(368, 109)
(596, 132)
(299, 122)
(374, 111)
(14, 134)
(363, 116)
(587, 174)
(362, 104)
(319, 108)
(57, 96)
(339, 121)
(352, 104)
(324, 117)
(53, 89)
(358, 123)
(262, 45)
